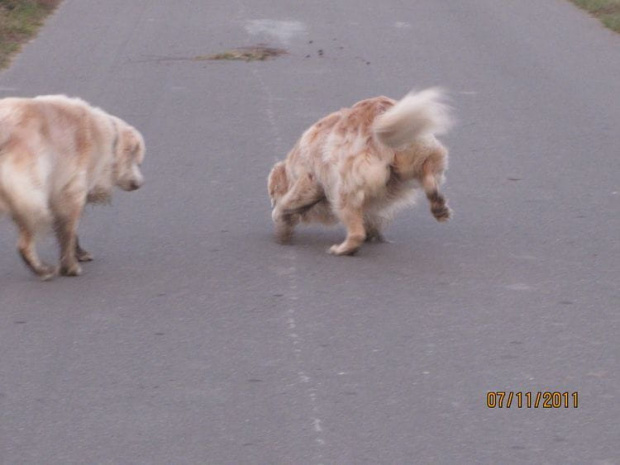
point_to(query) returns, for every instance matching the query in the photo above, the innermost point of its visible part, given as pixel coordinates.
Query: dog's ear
(130, 143)
(277, 182)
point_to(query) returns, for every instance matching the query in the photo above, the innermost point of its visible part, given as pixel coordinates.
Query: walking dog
(56, 155)
(360, 165)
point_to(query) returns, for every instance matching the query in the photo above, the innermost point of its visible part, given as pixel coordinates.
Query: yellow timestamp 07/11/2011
(530, 399)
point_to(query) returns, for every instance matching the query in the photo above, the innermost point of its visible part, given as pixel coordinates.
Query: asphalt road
(195, 339)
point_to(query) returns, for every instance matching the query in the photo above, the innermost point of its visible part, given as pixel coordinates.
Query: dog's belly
(322, 212)
(395, 197)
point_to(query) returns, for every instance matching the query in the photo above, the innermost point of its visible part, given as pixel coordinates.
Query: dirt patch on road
(252, 53)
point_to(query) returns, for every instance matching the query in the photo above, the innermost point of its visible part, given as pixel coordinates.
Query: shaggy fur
(360, 165)
(56, 155)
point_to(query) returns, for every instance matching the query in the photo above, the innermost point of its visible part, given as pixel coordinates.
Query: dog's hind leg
(302, 196)
(373, 234)
(28, 252)
(25, 200)
(438, 203)
(373, 226)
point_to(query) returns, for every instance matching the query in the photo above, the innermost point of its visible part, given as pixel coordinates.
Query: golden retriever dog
(56, 155)
(360, 165)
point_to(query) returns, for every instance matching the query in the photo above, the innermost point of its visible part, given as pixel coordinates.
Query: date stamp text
(529, 399)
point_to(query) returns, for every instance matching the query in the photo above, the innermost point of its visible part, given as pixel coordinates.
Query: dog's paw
(342, 249)
(276, 215)
(284, 238)
(442, 214)
(47, 272)
(376, 237)
(84, 256)
(283, 233)
(71, 270)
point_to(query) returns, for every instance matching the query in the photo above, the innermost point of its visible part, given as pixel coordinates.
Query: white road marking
(289, 273)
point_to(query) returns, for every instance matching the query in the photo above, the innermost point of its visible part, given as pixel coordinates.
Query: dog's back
(355, 150)
(43, 142)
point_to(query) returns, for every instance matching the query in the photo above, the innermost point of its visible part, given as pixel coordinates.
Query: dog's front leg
(284, 228)
(302, 196)
(67, 215)
(81, 254)
(65, 233)
(353, 219)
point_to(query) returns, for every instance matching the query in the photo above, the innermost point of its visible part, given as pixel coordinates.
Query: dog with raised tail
(56, 155)
(359, 165)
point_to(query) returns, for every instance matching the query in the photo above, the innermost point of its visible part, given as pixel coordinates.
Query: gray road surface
(195, 339)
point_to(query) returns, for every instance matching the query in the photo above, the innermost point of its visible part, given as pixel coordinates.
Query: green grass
(608, 11)
(19, 22)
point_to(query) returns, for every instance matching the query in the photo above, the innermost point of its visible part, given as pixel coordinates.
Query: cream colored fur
(361, 164)
(56, 155)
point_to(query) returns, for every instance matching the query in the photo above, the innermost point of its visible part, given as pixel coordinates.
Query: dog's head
(128, 157)
(277, 183)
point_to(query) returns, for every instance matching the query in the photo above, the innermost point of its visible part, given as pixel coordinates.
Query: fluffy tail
(418, 114)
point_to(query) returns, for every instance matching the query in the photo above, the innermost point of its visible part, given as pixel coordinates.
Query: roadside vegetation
(608, 11)
(19, 22)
